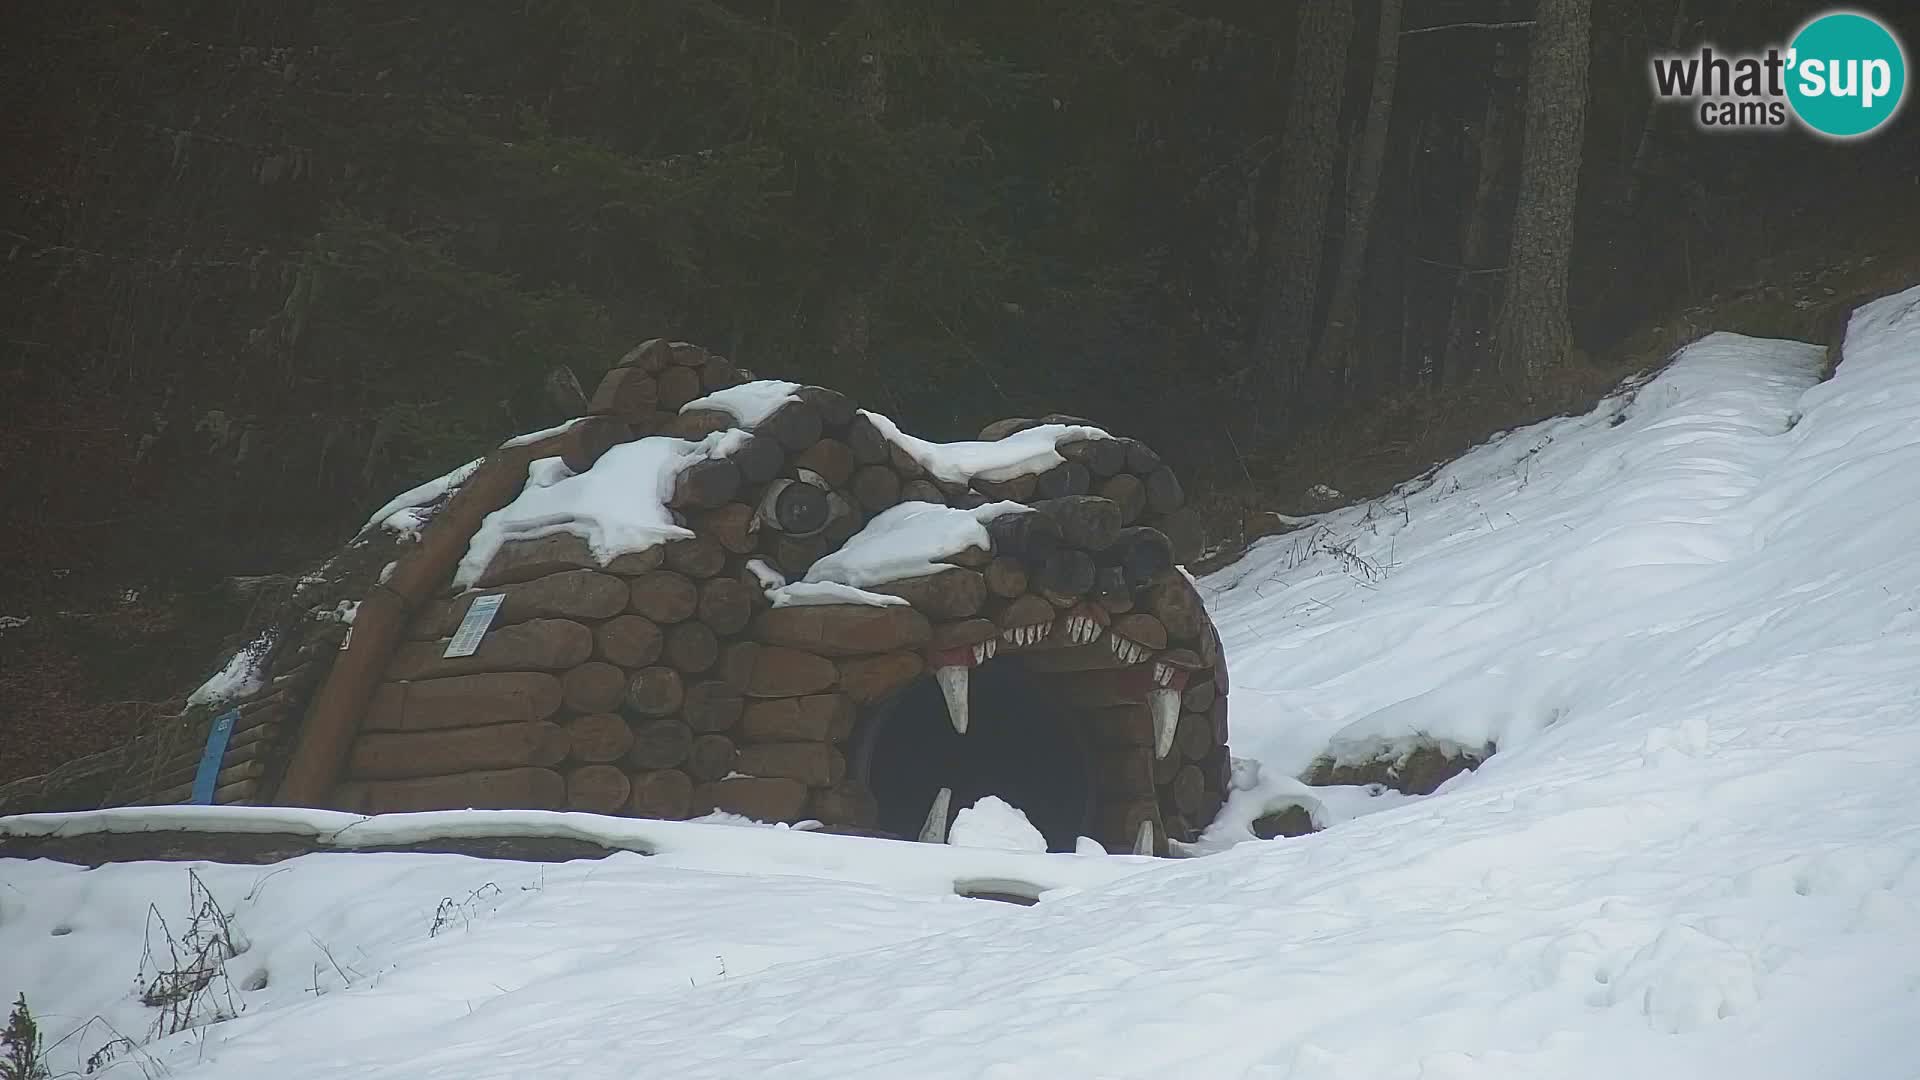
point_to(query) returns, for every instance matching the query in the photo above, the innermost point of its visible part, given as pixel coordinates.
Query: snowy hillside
(1689, 623)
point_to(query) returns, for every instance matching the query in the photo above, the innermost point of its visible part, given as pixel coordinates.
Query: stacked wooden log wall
(662, 684)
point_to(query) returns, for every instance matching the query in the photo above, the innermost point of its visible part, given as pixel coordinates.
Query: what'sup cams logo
(1844, 75)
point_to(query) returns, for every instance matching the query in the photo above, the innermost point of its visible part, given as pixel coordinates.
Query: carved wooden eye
(794, 507)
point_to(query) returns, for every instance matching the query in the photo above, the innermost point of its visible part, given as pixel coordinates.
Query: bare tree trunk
(1643, 150)
(1532, 335)
(1332, 359)
(1308, 149)
(1464, 345)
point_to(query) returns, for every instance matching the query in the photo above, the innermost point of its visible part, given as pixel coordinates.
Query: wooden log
(494, 789)
(1178, 828)
(731, 526)
(1102, 457)
(664, 596)
(655, 691)
(848, 804)
(1143, 554)
(842, 629)
(726, 605)
(869, 446)
(910, 468)
(597, 789)
(965, 632)
(1126, 773)
(649, 356)
(1141, 460)
(1198, 696)
(630, 564)
(581, 595)
(835, 408)
(628, 393)
(1166, 768)
(1028, 537)
(767, 671)
(463, 701)
(973, 557)
(694, 424)
(596, 738)
(953, 593)
(1218, 714)
(1086, 521)
(1018, 489)
(922, 491)
(812, 763)
(1164, 494)
(876, 487)
(686, 354)
(524, 560)
(1000, 429)
(1190, 793)
(1066, 478)
(1142, 628)
(1006, 577)
(794, 508)
(710, 757)
(677, 386)
(704, 485)
(830, 459)
(1176, 604)
(796, 425)
(1127, 492)
(844, 519)
(403, 755)
(1066, 573)
(712, 706)
(1025, 611)
(1110, 590)
(534, 645)
(768, 799)
(867, 679)
(692, 648)
(813, 718)
(631, 641)
(585, 440)
(718, 374)
(794, 555)
(659, 744)
(698, 557)
(663, 794)
(1193, 739)
(760, 458)
(595, 686)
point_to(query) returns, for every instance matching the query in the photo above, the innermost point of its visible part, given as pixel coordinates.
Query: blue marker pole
(209, 770)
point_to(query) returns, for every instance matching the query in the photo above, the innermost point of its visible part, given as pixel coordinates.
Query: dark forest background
(263, 265)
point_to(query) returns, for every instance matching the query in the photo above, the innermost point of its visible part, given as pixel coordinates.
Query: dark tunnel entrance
(1021, 744)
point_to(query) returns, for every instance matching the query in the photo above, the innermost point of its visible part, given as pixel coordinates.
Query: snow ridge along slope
(1687, 621)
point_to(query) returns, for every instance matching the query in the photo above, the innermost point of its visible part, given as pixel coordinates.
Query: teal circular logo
(1846, 74)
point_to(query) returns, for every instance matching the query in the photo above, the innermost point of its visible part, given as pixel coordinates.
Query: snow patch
(748, 403)
(618, 506)
(907, 541)
(1030, 451)
(404, 512)
(992, 822)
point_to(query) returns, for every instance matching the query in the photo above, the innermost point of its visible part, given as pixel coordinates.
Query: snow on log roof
(618, 506)
(1030, 451)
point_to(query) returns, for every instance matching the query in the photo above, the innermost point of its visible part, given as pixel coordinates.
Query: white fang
(1142, 838)
(935, 830)
(1165, 703)
(953, 687)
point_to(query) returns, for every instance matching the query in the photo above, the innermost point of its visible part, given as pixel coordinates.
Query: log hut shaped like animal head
(721, 593)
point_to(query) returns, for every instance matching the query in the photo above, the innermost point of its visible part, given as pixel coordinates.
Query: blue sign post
(217, 738)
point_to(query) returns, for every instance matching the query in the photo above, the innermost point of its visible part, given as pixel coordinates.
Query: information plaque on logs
(466, 640)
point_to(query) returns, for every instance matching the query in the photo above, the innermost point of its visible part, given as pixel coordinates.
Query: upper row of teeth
(1126, 650)
(1083, 629)
(984, 651)
(1026, 635)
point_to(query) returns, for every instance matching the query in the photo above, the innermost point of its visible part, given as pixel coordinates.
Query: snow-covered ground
(1690, 623)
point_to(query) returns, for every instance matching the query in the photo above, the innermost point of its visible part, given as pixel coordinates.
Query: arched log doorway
(1022, 744)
